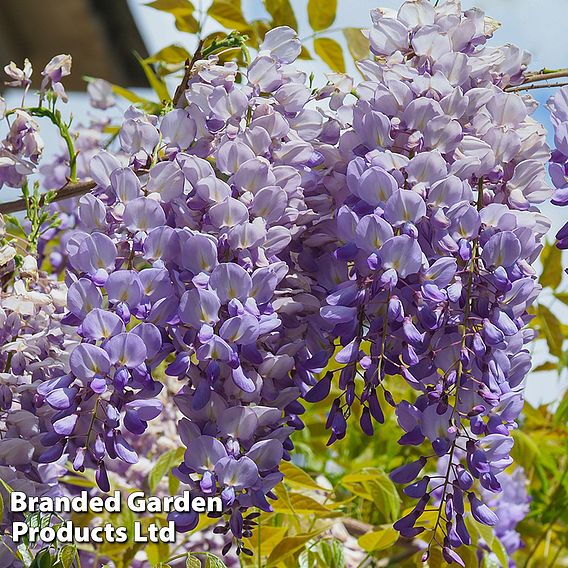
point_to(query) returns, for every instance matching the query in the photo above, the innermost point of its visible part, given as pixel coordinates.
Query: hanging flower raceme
(426, 252)
(186, 253)
(558, 169)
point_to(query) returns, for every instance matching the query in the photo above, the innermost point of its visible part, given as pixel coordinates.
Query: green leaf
(159, 85)
(172, 6)
(374, 485)
(525, 450)
(282, 13)
(192, 562)
(321, 13)
(67, 555)
(187, 23)
(487, 534)
(552, 270)
(42, 560)
(77, 481)
(378, 540)
(546, 366)
(297, 476)
(214, 562)
(128, 94)
(331, 553)
(163, 465)
(288, 547)
(562, 296)
(330, 52)
(171, 54)
(229, 14)
(296, 503)
(550, 326)
(561, 414)
(155, 551)
(357, 43)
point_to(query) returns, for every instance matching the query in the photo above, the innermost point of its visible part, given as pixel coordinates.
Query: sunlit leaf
(374, 485)
(525, 450)
(192, 562)
(546, 366)
(321, 13)
(296, 503)
(552, 270)
(378, 540)
(164, 465)
(330, 52)
(157, 551)
(357, 43)
(562, 296)
(282, 13)
(214, 562)
(229, 14)
(170, 54)
(182, 10)
(331, 553)
(67, 555)
(155, 82)
(187, 22)
(172, 6)
(287, 547)
(551, 329)
(269, 538)
(297, 476)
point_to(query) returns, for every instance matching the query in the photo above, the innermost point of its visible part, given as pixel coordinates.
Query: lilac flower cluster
(558, 168)
(510, 507)
(33, 349)
(186, 252)
(427, 248)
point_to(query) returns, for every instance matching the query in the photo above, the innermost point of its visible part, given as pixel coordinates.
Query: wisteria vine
(261, 228)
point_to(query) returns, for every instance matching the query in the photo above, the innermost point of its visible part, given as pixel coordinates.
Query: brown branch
(537, 77)
(532, 87)
(66, 192)
(182, 87)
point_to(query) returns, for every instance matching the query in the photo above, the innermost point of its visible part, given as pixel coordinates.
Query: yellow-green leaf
(67, 555)
(550, 326)
(229, 14)
(546, 366)
(187, 22)
(297, 476)
(170, 54)
(269, 538)
(282, 13)
(287, 547)
(357, 43)
(77, 481)
(373, 484)
(172, 6)
(298, 504)
(378, 540)
(163, 466)
(192, 562)
(321, 13)
(157, 551)
(552, 270)
(562, 296)
(214, 562)
(155, 82)
(330, 52)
